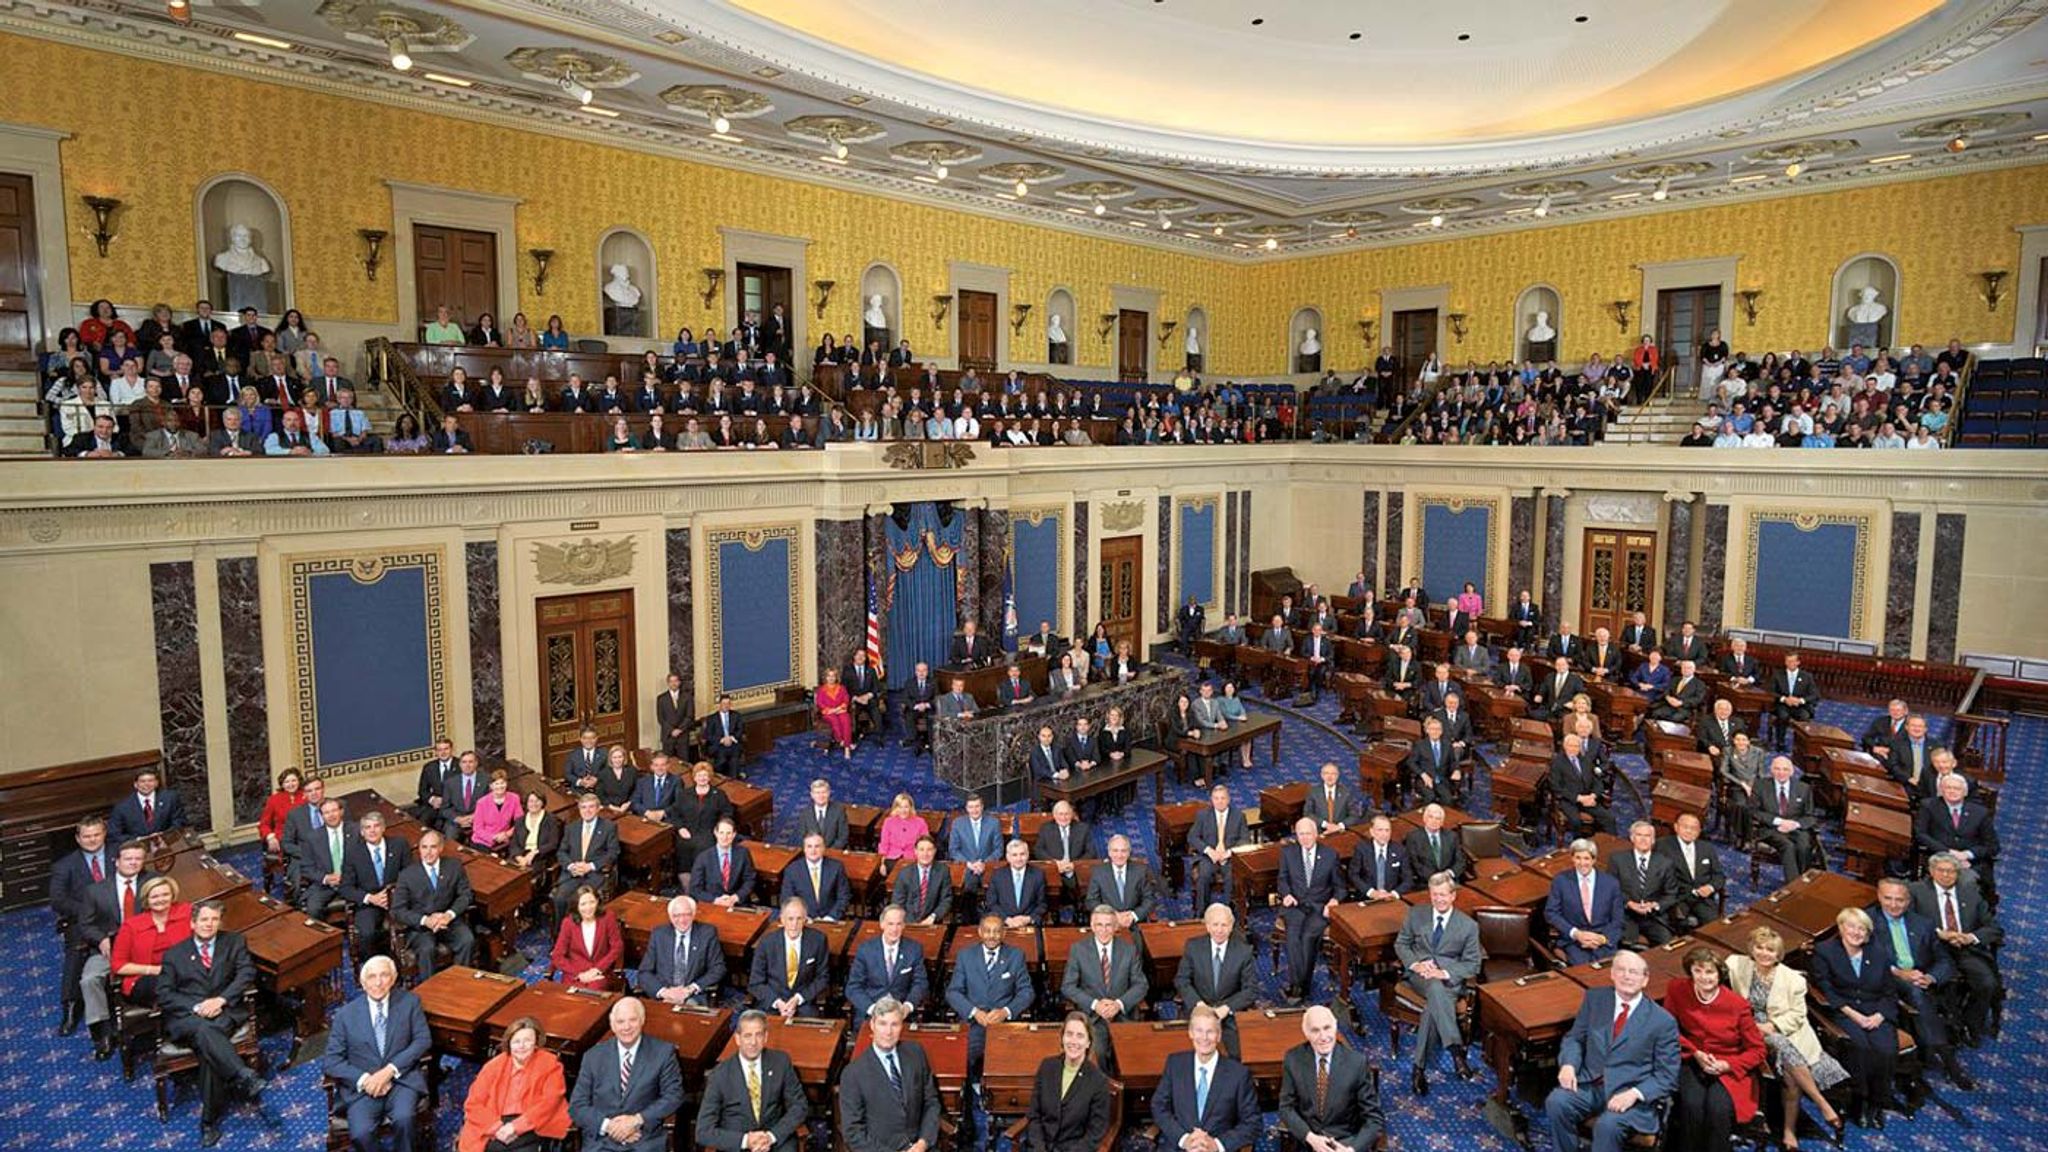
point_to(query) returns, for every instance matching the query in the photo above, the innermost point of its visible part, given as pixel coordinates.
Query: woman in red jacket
(279, 806)
(589, 945)
(1718, 1036)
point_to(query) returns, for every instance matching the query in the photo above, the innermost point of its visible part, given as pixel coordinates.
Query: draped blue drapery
(922, 564)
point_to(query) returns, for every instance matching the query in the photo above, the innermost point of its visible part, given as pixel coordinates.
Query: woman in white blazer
(1777, 995)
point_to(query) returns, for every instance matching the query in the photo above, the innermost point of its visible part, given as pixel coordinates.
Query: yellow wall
(1941, 232)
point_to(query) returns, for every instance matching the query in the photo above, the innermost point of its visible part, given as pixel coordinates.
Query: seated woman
(1777, 999)
(1234, 714)
(835, 708)
(656, 438)
(406, 438)
(144, 938)
(496, 813)
(270, 825)
(1069, 1096)
(1114, 739)
(519, 1097)
(616, 781)
(521, 335)
(827, 352)
(589, 945)
(901, 828)
(621, 439)
(556, 337)
(1853, 972)
(1718, 1037)
(537, 834)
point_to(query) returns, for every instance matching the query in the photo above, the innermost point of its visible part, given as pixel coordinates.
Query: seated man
(791, 968)
(201, 992)
(1922, 972)
(1433, 848)
(1739, 666)
(1908, 759)
(1214, 834)
(1402, 671)
(753, 1100)
(1639, 637)
(1579, 791)
(1437, 688)
(432, 901)
(1717, 732)
(376, 1054)
(1432, 766)
(1965, 923)
(628, 1087)
(1681, 702)
(1457, 722)
(1438, 947)
(1231, 633)
(1123, 885)
(1013, 691)
(1551, 696)
(975, 840)
(923, 887)
(316, 868)
(989, 985)
(1049, 763)
(1513, 675)
(920, 704)
(958, 703)
(1472, 655)
(970, 649)
(1311, 884)
(1333, 804)
(1781, 811)
(1584, 908)
(1104, 979)
(1216, 972)
(889, 965)
(1689, 645)
(1206, 1101)
(1877, 739)
(1619, 1059)
(1526, 617)
(1793, 696)
(825, 816)
(683, 963)
(1064, 840)
(1696, 869)
(1603, 658)
(147, 811)
(818, 880)
(869, 694)
(724, 874)
(1955, 825)
(1276, 637)
(1379, 867)
(1648, 887)
(1015, 893)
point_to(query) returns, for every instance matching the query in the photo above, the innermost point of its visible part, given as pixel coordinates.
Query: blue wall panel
(1035, 571)
(755, 617)
(372, 676)
(1805, 580)
(1456, 547)
(1197, 553)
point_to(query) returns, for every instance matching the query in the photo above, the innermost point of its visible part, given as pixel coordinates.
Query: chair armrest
(1017, 1129)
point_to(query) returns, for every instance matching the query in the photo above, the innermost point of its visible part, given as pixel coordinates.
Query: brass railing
(393, 373)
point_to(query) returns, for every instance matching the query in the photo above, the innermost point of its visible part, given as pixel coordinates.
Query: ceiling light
(179, 10)
(456, 81)
(400, 58)
(831, 159)
(720, 124)
(1626, 196)
(938, 169)
(1272, 243)
(729, 137)
(594, 110)
(1663, 191)
(576, 89)
(1436, 221)
(1794, 168)
(1100, 208)
(1959, 143)
(1023, 189)
(1892, 159)
(838, 149)
(1219, 230)
(2042, 136)
(1543, 206)
(1752, 178)
(264, 41)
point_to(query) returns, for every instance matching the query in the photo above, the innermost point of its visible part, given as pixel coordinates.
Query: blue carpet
(53, 1097)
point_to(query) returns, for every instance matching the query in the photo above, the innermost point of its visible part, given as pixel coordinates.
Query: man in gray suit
(1208, 710)
(1232, 632)
(958, 702)
(1439, 947)
(1123, 885)
(628, 1087)
(824, 816)
(1277, 638)
(1335, 805)
(1104, 979)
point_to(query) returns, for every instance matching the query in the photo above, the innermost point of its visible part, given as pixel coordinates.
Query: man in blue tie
(370, 865)
(989, 986)
(432, 900)
(376, 1055)
(1205, 1101)
(725, 733)
(975, 841)
(1379, 867)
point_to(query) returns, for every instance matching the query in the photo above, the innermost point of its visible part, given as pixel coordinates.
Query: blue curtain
(922, 563)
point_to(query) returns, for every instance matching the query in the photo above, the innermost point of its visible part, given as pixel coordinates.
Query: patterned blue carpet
(52, 1096)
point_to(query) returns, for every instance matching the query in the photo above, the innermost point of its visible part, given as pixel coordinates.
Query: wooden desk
(1520, 888)
(201, 877)
(1171, 824)
(1364, 935)
(246, 908)
(40, 809)
(1876, 791)
(1516, 785)
(982, 681)
(1671, 798)
(932, 938)
(697, 1033)
(1810, 741)
(1215, 742)
(1873, 835)
(571, 1019)
(294, 954)
(867, 876)
(501, 894)
(1687, 766)
(639, 912)
(1519, 1017)
(1836, 763)
(945, 1045)
(1811, 902)
(1142, 1047)
(1079, 786)
(753, 807)
(1732, 932)
(1559, 860)
(1666, 962)
(1165, 941)
(1279, 807)
(1255, 869)
(645, 845)
(457, 1001)
(737, 929)
(815, 1046)
(1009, 1065)
(864, 825)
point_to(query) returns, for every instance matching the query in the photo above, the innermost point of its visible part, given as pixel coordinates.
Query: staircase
(21, 427)
(1665, 420)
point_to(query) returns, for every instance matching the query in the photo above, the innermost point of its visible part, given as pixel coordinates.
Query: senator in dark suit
(624, 1111)
(1648, 886)
(818, 880)
(888, 965)
(1434, 850)
(1951, 823)
(778, 986)
(1550, 696)
(70, 883)
(888, 1097)
(1852, 971)
(1430, 764)
(1922, 969)
(587, 852)
(1068, 1115)
(867, 692)
(1380, 865)
(824, 816)
(1578, 790)
(1696, 870)
(724, 872)
(1206, 1091)
(724, 739)
(146, 811)
(1781, 811)
(1104, 979)
(970, 648)
(1016, 891)
(1438, 947)
(923, 887)
(1909, 760)
(429, 797)
(684, 962)
(201, 993)
(1618, 1061)
(1793, 695)
(1217, 970)
(1215, 832)
(432, 900)
(317, 860)
(581, 764)
(1329, 1089)
(1585, 903)
(990, 985)
(1311, 880)
(459, 796)
(1333, 804)
(674, 715)
(376, 1055)
(727, 1115)
(1123, 885)
(1973, 936)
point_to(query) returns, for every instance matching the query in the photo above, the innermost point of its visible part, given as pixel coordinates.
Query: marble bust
(1310, 345)
(1194, 345)
(1867, 310)
(620, 290)
(240, 258)
(1054, 332)
(1541, 330)
(874, 317)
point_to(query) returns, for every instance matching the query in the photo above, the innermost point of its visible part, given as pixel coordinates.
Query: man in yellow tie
(789, 971)
(753, 1101)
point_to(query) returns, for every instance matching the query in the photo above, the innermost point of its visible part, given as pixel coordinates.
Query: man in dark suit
(818, 880)
(975, 839)
(725, 739)
(317, 869)
(1603, 657)
(1618, 1061)
(1013, 691)
(1214, 834)
(1566, 644)
(107, 905)
(588, 853)
(1909, 759)
(1739, 666)
(1954, 825)
(1402, 669)
(1189, 624)
(1438, 947)
(1329, 1093)
(1457, 722)
(247, 336)
(1321, 654)
(1580, 794)
(1551, 695)
(628, 1087)
(1122, 885)
(232, 438)
(201, 993)
(1333, 804)
(1877, 739)
(683, 963)
(1639, 637)
(459, 795)
(376, 1055)
(888, 1097)
(1082, 747)
(753, 1100)
(1688, 645)
(70, 883)
(431, 797)
(1921, 966)
(432, 900)
(1966, 925)
(1064, 840)
(1432, 767)
(302, 822)
(1104, 980)
(990, 985)
(1434, 848)
(1584, 908)
(370, 866)
(1648, 887)
(867, 692)
(1781, 809)
(723, 874)
(1205, 1101)
(1526, 617)
(1513, 676)
(1695, 871)
(148, 810)
(1311, 884)
(1681, 702)
(971, 649)
(923, 887)
(1457, 622)
(888, 965)
(196, 334)
(1015, 893)
(1216, 972)
(1379, 867)
(581, 764)
(1717, 733)
(1794, 695)
(791, 968)
(920, 705)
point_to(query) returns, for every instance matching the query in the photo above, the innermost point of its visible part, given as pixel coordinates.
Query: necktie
(1901, 947)
(468, 782)
(1436, 857)
(1017, 887)
(1620, 1021)
(334, 846)
(816, 885)
(1379, 869)
(889, 958)
(1104, 951)
(1955, 816)
(1322, 1082)
(377, 1024)
(924, 883)
(1856, 964)
(433, 879)
(1949, 923)
(1201, 1091)
(895, 1077)
(724, 869)
(625, 1072)
(1783, 799)
(93, 862)
(1308, 866)
(795, 959)
(148, 811)
(1586, 896)
(377, 863)
(585, 850)
(206, 954)
(1219, 965)
(127, 898)
(1436, 934)
(754, 1087)
(1330, 801)
(1642, 868)
(1119, 883)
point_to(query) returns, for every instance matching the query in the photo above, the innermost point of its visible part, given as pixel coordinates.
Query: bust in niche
(1541, 331)
(875, 317)
(1867, 309)
(240, 257)
(1194, 344)
(1310, 344)
(1055, 333)
(620, 289)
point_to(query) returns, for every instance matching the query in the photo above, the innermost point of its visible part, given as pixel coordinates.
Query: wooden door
(2041, 309)
(1414, 341)
(586, 670)
(1619, 579)
(457, 268)
(1121, 590)
(1131, 330)
(1684, 317)
(762, 287)
(978, 330)
(21, 328)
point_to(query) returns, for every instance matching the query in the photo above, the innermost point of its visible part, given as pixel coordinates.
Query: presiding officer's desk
(993, 749)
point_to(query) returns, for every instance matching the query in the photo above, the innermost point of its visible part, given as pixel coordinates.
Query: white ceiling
(1442, 151)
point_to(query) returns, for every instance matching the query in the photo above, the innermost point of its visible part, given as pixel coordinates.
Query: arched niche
(1059, 305)
(624, 248)
(1870, 270)
(223, 207)
(1530, 344)
(1194, 339)
(881, 280)
(1302, 356)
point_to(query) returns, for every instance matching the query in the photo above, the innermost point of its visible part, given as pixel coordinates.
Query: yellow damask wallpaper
(329, 157)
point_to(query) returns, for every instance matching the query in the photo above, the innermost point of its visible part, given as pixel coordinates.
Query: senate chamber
(1031, 576)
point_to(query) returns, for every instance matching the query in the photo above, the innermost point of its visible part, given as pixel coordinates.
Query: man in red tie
(1619, 1059)
(107, 904)
(147, 811)
(202, 993)
(460, 793)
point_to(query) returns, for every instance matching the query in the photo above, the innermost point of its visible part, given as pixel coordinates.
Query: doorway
(762, 288)
(586, 670)
(1620, 579)
(977, 331)
(20, 272)
(1684, 317)
(1414, 342)
(455, 267)
(1122, 593)
(1131, 330)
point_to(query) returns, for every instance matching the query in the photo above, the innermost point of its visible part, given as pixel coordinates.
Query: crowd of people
(1859, 399)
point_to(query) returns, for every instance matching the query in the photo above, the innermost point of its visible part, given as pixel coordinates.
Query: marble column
(967, 566)
(1165, 564)
(1244, 555)
(486, 661)
(682, 646)
(1900, 584)
(1714, 570)
(995, 568)
(1677, 564)
(1552, 600)
(1396, 511)
(1945, 599)
(1083, 622)
(1229, 553)
(842, 593)
(1369, 537)
(241, 631)
(1521, 545)
(181, 701)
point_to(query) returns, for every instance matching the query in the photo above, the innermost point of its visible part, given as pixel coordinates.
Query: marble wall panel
(1552, 599)
(995, 567)
(1229, 555)
(1900, 585)
(1714, 570)
(1369, 537)
(967, 567)
(1084, 621)
(486, 660)
(1164, 584)
(241, 631)
(1521, 545)
(1677, 566)
(1396, 522)
(1244, 555)
(1945, 599)
(842, 592)
(682, 647)
(174, 609)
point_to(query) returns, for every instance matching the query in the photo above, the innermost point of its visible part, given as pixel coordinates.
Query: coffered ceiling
(1326, 124)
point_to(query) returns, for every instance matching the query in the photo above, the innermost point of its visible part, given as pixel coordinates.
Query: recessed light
(828, 158)
(2042, 136)
(1752, 178)
(457, 81)
(1258, 20)
(1272, 244)
(1892, 159)
(1358, 36)
(1794, 169)
(1580, 19)
(1463, 36)
(729, 137)
(925, 179)
(265, 41)
(1626, 196)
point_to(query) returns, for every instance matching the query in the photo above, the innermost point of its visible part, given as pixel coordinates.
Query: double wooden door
(1619, 579)
(761, 289)
(978, 330)
(1131, 330)
(1414, 341)
(1120, 590)
(20, 268)
(1684, 317)
(457, 268)
(586, 670)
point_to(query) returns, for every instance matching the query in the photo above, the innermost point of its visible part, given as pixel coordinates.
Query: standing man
(70, 882)
(1793, 695)
(376, 1053)
(1310, 887)
(426, 807)
(628, 1087)
(1619, 1059)
(753, 1101)
(1438, 947)
(674, 714)
(890, 965)
(202, 996)
(1328, 1097)
(147, 811)
(888, 1097)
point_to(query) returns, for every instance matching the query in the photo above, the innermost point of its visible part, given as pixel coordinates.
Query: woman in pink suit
(901, 828)
(837, 709)
(589, 946)
(497, 813)
(1470, 602)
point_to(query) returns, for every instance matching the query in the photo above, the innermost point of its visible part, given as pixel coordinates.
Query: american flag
(1009, 613)
(874, 630)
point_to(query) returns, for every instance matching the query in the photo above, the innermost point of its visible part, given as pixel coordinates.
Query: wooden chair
(337, 1120)
(173, 1059)
(1481, 839)
(1109, 1138)
(1506, 935)
(136, 1026)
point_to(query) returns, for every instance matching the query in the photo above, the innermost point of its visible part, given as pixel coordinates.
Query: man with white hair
(628, 1087)
(1328, 1098)
(1952, 824)
(376, 1054)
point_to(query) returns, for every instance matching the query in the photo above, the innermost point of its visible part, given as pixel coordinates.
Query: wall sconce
(541, 256)
(1747, 298)
(1108, 322)
(373, 238)
(711, 278)
(824, 288)
(1619, 309)
(941, 304)
(1166, 328)
(1017, 314)
(1994, 283)
(102, 232)
(1457, 322)
(1367, 329)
